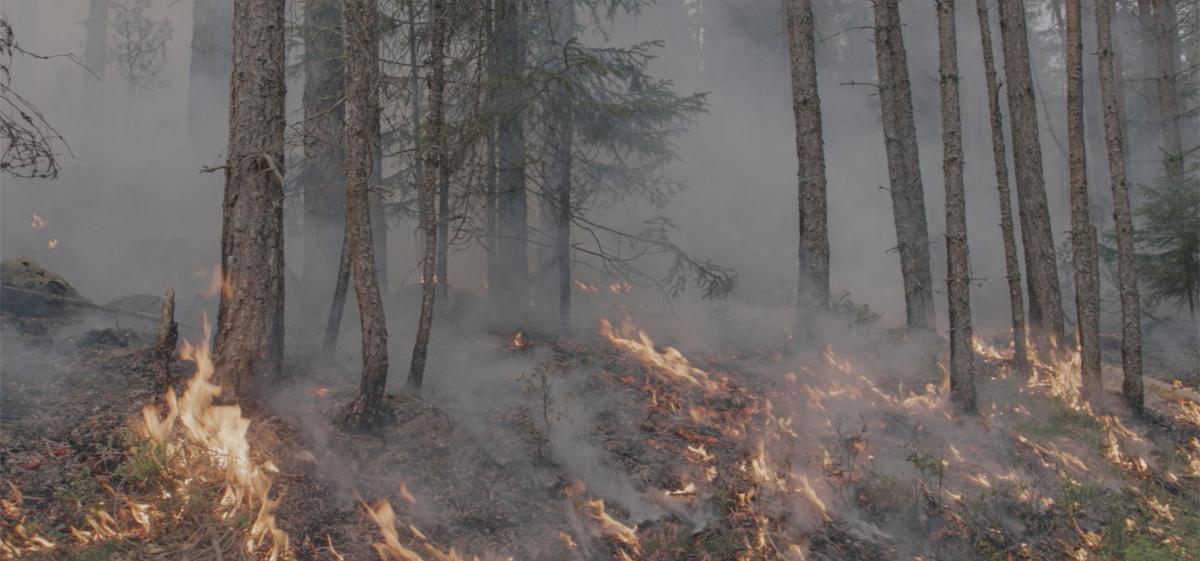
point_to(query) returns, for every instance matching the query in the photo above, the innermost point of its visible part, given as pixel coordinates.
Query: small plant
(538, 386)
(145, 462)
(931, 473)
(860, 318)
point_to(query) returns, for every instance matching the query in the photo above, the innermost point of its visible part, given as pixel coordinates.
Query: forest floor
(608, 446)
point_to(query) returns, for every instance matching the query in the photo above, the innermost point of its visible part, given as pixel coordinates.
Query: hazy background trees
(737, 160)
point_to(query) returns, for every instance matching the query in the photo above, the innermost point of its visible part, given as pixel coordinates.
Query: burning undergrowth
(608, 447)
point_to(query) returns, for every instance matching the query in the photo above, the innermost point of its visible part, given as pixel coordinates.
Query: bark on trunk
(900, 139)
(1165, 37)
(1083, 256)
(414, 93)
(1114, 137)
(323, 174)
(1012, 264)
(208, 71)
(434, 161)
(490, 191)
(249, 343)
(810, 153)
(378, 195)
(442, 278)
(333, 326)
(512, 283)
(167, 338)
(958, 263)
(563, 154)
(360, 21)
(1045, 300)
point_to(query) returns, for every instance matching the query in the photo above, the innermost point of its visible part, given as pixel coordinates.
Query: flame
(518, 341)
(52, 244)
(19, 541)
(669, 364)
(612, 527)
(217, 284)
(220, 431)
(38, 222)
(585, 287)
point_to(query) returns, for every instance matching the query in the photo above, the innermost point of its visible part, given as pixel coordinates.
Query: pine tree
(958, 264)
(249, 343)
(1083, 242)
(900, 140)
(360, 20)
(1131, 328)
(810, 152)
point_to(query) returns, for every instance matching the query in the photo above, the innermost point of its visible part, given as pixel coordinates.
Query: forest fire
(219, 433)
(540, 281)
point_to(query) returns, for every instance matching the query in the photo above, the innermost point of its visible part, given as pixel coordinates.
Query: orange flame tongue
(220, 431)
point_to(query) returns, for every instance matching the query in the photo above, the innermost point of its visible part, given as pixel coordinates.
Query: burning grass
(834, 454)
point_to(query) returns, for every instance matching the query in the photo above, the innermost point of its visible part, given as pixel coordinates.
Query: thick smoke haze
(132, 212)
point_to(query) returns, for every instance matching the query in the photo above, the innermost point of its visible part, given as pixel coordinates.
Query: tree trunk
(489, 121)
(810, 153)
(1083, 256)
(95, 61)
(361, 22)
(249, 343)
(958, 263)
(1114, 137)
(1045, 300)
(512, 286)
(323, 175)
(442, 278)
(1012, 264)
(563, 153)
(1165, 37)
(378, 195)
(208, 71)
(333, 326)
(904, 171)
(435, 145)
(414, 92)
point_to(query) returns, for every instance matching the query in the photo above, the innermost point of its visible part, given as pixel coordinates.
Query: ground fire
(566, 280)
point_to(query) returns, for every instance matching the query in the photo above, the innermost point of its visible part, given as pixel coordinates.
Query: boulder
(147, 304)
(30, 290)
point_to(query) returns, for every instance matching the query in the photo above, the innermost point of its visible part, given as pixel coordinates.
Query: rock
(30, 290)
(139, 303)
(109, 337)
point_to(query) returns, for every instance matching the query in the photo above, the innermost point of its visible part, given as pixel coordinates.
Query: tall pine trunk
(208, 70)
(563, 153)
(435, 160)
(904, 171)
(1045, 299)
(1083, 248)
(1012, 265)
(512, 283)
(810, 153)
(249, 343)
(489, 121)
(442, 277)
(1166, 57)
(323, 174)
(958, 263)
(360, 21)
(1114, 137)
(95, 62)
